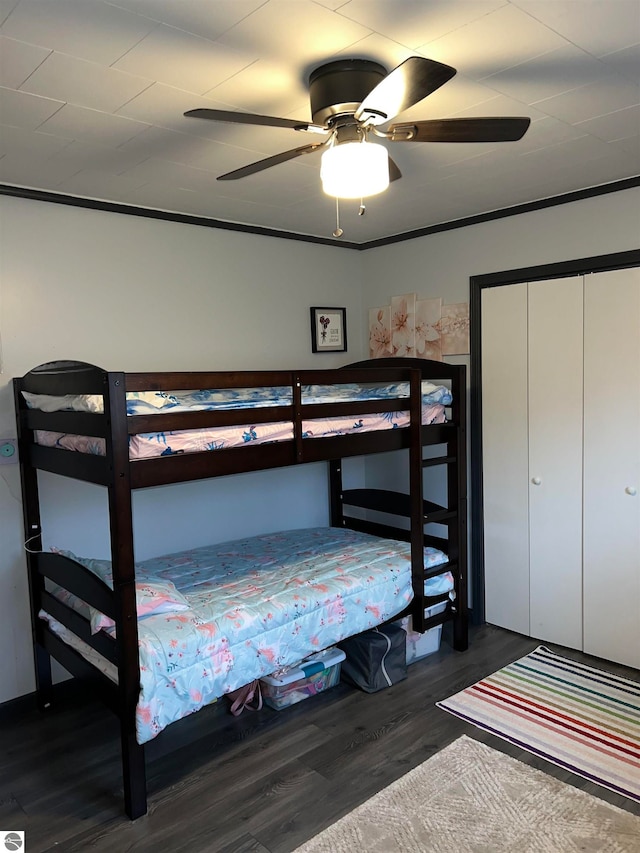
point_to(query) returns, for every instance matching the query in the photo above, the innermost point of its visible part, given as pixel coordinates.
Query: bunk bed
(128, 431)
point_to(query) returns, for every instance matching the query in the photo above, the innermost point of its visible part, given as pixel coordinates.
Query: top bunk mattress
(173, 442)
(224, 399)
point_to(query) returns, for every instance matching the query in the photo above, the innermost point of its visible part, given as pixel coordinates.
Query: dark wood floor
(262, 783)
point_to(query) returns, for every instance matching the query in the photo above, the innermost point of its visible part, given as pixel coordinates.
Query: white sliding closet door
(612, 466)
(505, 464)
(555, 361)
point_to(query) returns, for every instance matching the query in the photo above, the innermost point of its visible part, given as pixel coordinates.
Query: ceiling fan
(350, 99)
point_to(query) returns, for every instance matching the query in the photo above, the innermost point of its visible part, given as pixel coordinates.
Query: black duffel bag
(375, 659)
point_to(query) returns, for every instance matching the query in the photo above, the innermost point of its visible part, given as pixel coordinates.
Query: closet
(561, 460)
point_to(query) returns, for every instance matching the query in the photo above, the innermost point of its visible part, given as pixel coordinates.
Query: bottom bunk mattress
(214, 618)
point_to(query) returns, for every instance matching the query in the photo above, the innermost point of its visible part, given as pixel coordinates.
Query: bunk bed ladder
(393, 503)
(420, 512)
(124, 587)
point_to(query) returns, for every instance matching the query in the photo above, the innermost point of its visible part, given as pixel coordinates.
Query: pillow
(101, 568)
(152, 598)
(68, 403)
(153, 595)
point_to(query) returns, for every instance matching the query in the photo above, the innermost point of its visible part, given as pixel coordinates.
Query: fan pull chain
(362, 209)
(338, 232)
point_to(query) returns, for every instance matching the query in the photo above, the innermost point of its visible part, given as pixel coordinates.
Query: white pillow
(70, 402)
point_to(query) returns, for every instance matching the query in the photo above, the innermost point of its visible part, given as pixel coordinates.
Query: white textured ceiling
(93, 95)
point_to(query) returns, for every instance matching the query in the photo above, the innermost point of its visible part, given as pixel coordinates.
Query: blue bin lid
(311, 665)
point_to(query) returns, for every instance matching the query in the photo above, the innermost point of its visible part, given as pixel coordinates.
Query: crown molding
(204, 222)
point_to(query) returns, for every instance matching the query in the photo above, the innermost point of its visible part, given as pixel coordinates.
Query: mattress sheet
(171, 443)
(260, 604)
(157, 402)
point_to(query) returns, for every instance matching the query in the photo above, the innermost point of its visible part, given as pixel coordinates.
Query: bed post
(416, 492)
(457, 498)
(33, 542)
(335, 493)
(122, 559)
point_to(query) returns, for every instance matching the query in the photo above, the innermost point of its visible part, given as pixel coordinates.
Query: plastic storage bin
(421, 645)
(314, 674)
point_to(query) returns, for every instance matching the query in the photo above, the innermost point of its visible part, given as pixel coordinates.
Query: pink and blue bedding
(169, 443)
(150, 402)
(174, 442)
(229, 613)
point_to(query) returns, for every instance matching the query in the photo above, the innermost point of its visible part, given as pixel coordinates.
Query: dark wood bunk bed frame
(121, 476)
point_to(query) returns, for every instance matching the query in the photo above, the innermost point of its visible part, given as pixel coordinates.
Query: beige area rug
(469, 797)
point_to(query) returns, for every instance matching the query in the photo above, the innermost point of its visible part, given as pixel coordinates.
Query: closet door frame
(582, 266)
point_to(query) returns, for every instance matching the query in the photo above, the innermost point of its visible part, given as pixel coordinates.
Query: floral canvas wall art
(454, 329)
(419, 328)
(403, 325)
(380, 332)
(428, 341)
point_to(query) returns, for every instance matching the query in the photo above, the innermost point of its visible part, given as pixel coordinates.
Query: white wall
(136, 294)
(130, 293)
(442, 264)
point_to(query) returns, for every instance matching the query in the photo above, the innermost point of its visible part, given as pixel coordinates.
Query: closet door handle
(631, 490)
(536, 481)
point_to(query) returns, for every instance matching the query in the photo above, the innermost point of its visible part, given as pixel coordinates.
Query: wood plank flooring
(262, 783)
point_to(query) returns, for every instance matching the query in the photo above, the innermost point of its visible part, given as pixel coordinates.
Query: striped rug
(580, 718)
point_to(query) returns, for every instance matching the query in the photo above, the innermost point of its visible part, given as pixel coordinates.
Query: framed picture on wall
(328, 329)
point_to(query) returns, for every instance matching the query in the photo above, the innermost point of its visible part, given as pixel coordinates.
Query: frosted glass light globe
(355, 170)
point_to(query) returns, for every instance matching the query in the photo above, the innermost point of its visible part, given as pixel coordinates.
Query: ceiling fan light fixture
(355, 170)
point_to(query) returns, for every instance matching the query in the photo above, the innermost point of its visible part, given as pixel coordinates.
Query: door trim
(582, 266)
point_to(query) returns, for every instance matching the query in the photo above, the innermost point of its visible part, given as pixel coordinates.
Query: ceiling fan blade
(252, 118)
(504, 129)
(410, 82)
(275, 160)
(394, 171)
